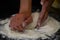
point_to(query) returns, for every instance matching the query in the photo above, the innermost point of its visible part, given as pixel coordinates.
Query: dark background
(9, 7)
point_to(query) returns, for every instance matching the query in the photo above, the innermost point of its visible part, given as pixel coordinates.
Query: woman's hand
(19, 22)
(46, 4)
(43, 16)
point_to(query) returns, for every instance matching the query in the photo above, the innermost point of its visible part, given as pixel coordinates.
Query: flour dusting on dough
(50, 27)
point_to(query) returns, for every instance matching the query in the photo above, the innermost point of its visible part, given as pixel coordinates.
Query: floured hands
(42, 18)
(19, 22)
(44, 13)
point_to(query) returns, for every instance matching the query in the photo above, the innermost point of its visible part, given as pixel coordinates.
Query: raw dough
(49, 28)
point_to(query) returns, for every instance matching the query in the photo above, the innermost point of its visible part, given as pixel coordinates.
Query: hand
(19, 22)
(43, 13)
(43, 16)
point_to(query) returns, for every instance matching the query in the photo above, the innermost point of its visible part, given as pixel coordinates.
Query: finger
(12, 25)
(45, 17)
(14, 22)
(19, 28)
(24, 24)
(40, 22)
(27, 21)
(12, 28)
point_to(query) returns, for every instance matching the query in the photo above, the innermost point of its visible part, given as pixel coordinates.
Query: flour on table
(49, 27)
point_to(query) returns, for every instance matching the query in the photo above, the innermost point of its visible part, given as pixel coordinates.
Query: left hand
(42, 18)
(43, 14)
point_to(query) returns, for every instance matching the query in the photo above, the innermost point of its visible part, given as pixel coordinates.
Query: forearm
(44, 11)
(46, 6)
(25, 6)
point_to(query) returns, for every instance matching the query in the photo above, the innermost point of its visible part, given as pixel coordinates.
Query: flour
(50, 26)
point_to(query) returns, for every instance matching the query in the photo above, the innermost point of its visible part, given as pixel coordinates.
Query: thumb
(27, 21)
(24, 24)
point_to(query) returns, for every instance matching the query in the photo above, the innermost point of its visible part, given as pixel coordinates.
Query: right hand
(19, 22)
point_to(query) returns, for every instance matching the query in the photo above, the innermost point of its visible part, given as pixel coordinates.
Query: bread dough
(49, 27)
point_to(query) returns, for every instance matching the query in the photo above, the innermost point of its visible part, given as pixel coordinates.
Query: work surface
(49, 28)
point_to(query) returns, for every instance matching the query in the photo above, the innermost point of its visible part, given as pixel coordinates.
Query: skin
(23, 18)
(46, 4)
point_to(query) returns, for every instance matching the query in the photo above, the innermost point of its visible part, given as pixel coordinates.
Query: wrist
(25, 13)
